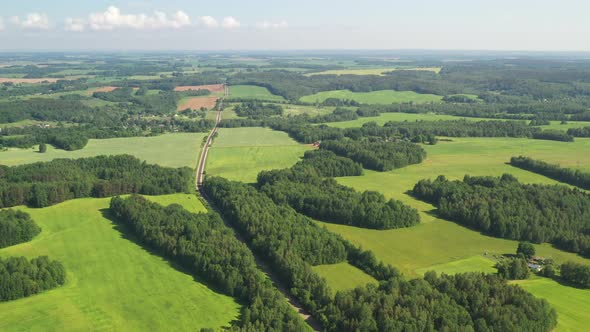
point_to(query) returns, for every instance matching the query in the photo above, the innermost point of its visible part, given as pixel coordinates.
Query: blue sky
(302, 24)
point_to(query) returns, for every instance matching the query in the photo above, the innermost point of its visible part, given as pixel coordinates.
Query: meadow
(375, 97)
(172, 150)
(113, 283)
(241, 153)
(343, 276)
(252, 92)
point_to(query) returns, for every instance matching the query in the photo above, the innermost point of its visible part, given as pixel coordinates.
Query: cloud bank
(34, 21)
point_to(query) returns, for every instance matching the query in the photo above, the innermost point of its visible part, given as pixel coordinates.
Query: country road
(310, 320)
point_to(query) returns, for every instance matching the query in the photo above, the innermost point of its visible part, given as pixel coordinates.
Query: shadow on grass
(127, 234)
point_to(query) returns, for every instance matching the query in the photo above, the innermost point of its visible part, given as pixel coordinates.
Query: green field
(386, 117)
(241, 153)
(253, 92)
(384, 97)
(343, 276)
(173, 150)
(475, 263)
(112, 282)
(292, 110)
(569, 302)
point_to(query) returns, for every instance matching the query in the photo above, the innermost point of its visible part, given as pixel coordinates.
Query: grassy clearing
(311, 110)
(569, 302)
(376, 97)
(343, 276)
(173, 150)
(475, 263)
(241, 153)
(386, 117)
(112, 282)
(190, 202)
(253, 92)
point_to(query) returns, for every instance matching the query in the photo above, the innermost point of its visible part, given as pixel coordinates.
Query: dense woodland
(202, 244)
(16, 227)
(575, 273)
(571, 176)
(20, 277)
(503, 207)
(256, 110)
(47, 183)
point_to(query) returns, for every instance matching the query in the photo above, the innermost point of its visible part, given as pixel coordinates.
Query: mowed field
(383, 97)
(113, 283)
(253, 92)
(438, 244)
(172, 150)
(195, 103)
(241, 153)
(343, 276)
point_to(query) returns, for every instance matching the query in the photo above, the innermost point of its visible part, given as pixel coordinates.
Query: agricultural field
(196, 103)
(372, 71)
(241, 153)
(253, 92)
(173, 150)
(113, 283)
(383, 118)
(343, 276)
(383, 97)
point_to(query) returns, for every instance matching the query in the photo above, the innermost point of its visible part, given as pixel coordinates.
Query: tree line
(20, 277)
(579, 132)
(505, 208)
(47, 183)
(16, 227)
(257, 110)
(202, 244)
(571, 176)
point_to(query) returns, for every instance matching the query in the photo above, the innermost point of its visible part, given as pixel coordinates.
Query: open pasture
(252, 92)
(113, 283)
(343, 276)
(241, 153)
(383, 97)
(172, 150)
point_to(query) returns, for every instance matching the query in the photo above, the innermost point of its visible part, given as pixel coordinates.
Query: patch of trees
(202, 244)
(571, 176)
(379, 156)
(554, 135)
(16, 227)
(503, 207)
(47, 183)
(42, 109)
(471, 301)
(575, 273)
(513, 268)
(579, 132)
(326, 163)
(256, 110)
(20, 277)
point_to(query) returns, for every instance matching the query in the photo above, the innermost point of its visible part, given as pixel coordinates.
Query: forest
(20, 277)
(203, 245)
(506, 208)
(47, 183)
(16, 227)
(575, 273)
(575, 177)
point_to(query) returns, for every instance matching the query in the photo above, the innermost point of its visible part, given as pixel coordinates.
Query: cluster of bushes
(574, 177)
(21, 278)
(16, 227)
(303, 188)
(579, 132)
(47, 183)
(326, 163)
(503, 207)
(554, 135)
(202, 244)
(513, 269)
(256, 110)
(379, 156)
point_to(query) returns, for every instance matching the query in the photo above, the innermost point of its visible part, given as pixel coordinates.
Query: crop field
(27, 80)
(567, 301)
(253, 92)
(115, 285)
(213, 88)
(172, 150)
(196, 103)
(372, 71)
(376, 97)
(241, 153)
(343, 276)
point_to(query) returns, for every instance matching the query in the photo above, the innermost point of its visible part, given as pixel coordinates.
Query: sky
(516, 25)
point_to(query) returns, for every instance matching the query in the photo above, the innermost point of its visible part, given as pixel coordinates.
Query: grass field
(474, 263)
(253, 92)
(386, 117)
(173, 150)
(569, 302)
(241, 153)
(290, 109)
(372, 71)
(376, 97)
(112, 283)
(343, 276)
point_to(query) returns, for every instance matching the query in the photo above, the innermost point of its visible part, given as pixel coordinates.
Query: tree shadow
(127, 234)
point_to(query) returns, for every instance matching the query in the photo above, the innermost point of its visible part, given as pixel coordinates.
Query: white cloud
(208, 21)
(272, 25)
(230, 22)
(112, 19)
(32, 21)
(75, 24)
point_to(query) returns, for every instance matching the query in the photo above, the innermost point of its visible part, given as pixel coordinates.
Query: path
(312, 322)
